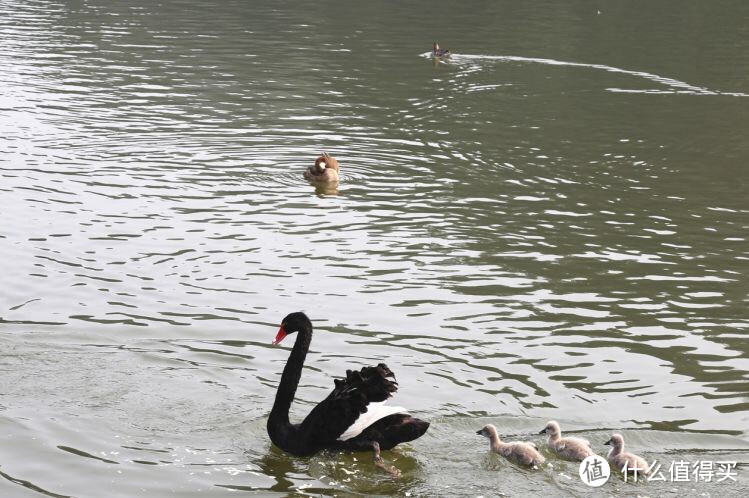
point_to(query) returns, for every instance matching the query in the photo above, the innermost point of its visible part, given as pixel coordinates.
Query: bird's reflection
(277, 464)
(354, 471)
(323, 189)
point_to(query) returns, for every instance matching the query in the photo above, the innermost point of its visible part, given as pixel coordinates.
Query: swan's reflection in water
(350, 472)
(283, 468)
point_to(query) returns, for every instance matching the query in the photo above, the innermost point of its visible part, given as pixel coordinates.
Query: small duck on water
(325, 170)
(439, 52)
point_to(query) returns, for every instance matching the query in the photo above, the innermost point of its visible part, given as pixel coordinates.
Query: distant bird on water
(439, 52)
(325, 170)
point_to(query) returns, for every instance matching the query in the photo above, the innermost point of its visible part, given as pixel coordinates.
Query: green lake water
(551, 224)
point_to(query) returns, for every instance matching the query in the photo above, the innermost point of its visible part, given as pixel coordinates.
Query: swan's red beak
(279, 337)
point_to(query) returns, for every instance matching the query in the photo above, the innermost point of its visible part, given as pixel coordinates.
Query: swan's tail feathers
(372, 384)
(351, 399)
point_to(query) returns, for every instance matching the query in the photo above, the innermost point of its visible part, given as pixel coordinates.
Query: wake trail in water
(680, 87)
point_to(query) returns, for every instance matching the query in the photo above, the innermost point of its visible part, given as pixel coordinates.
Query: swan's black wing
(336, 413)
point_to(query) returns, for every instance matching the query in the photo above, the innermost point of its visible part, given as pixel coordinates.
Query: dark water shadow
(31, 486)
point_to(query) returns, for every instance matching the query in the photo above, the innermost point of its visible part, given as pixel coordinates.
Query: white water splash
(675, 86)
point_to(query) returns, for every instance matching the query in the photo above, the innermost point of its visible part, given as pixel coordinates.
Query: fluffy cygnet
(617, 457)
(570, 448)
(325, 169)
(518, 452)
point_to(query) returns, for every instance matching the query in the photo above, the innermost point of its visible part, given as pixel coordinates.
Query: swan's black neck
(282, 433)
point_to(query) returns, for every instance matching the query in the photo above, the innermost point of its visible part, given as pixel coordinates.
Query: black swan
(353, 417)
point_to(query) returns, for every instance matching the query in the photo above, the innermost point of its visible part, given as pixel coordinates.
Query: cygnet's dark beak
(542, 431)
(607, 442)
(479, 432)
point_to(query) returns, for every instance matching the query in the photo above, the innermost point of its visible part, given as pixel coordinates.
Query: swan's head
(552, 429)
(487, 431)
(294, 322)
(617, 441)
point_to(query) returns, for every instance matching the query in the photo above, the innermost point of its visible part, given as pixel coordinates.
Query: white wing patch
(375, 411)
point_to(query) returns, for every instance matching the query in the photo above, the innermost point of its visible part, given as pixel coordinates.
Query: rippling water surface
(551, 224)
